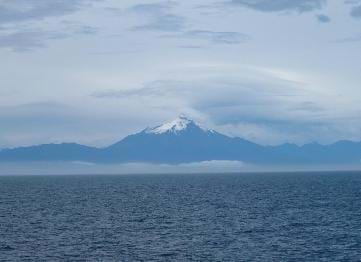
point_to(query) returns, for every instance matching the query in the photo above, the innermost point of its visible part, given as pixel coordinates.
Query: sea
(182, 217)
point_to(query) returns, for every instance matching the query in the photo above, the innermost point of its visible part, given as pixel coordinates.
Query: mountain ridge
(183, 141)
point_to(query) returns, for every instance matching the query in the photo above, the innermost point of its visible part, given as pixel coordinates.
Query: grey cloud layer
(215, 95)
(24, 10)
(270, 103)
(280, 5)
(161, 19)
(164, 22)
(19, 36)
(356, 12)
(146, 48)
(267, 111)
(323, 18)
(212, 36)
(159, 16)
(356, 8)
(27, 40)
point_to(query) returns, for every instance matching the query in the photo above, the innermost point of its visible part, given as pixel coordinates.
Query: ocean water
(223, 217)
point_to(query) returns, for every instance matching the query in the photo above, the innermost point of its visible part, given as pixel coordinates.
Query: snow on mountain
(178, 125)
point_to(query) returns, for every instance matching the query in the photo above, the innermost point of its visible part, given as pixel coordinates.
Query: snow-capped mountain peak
(175, 126)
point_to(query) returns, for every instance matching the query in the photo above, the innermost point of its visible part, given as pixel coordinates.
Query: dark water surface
(245, 217)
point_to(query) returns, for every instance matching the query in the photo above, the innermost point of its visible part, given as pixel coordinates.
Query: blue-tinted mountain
(50, 152)
(184, 141)
(180, 141)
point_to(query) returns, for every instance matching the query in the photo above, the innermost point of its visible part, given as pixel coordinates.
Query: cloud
(30, 40)
(350, 39)
(323, 18)
(27, 40)
(166, 22)
(264, 108)
(84, 30)
(191, 46)
(26, 10)
(299, 6)
(356, 12)
(352, 2)
(215, 94)
(212, 36)
(154, 8)
(308, 107)
(18, 35)
(263, 104)
(159, 17)
(267, 109)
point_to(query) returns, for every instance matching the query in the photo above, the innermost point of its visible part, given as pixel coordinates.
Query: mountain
(184, 141)
(50, 152)
(179, 141)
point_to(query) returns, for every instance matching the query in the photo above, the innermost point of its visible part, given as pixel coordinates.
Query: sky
(94, 71)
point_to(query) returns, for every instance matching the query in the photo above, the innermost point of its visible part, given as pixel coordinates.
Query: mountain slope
(179, 141)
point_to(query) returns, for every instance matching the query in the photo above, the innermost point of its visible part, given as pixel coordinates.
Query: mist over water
(218, 217)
